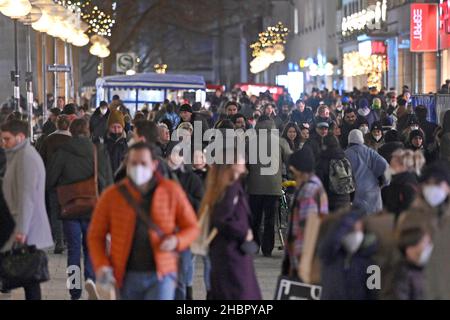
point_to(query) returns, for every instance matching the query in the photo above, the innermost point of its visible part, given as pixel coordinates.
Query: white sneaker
(91, 290)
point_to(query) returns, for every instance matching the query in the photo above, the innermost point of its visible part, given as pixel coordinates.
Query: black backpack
(341, 177)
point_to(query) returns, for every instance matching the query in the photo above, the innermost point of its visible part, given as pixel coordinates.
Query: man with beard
(351, 122)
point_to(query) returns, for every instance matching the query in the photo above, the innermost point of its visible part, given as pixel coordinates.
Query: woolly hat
(187, 108)
(303, 160)
(377, 126)
(363, 104)
(116, 117)
(356, 137)
(415, 133)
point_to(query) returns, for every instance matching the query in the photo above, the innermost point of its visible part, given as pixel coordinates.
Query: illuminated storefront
(368, 64)
(364, 47)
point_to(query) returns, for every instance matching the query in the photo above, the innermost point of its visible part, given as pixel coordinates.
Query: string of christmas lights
(269, 48)
(100, 23)
(274, 35)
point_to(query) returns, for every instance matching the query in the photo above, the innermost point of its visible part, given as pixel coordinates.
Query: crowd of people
(367, 163)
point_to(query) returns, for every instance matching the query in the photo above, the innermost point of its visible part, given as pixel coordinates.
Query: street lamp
(15, 9)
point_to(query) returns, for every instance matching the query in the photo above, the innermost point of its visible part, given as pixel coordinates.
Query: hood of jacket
(79, 146)
(333, 153)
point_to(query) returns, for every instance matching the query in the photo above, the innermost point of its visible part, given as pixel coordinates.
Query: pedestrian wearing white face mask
(432, 210)
(375, 138)
(408, 276)
(150, 221)
(346, 253)
(98, 121)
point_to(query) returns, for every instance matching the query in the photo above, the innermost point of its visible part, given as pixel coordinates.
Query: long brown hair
(217, 181)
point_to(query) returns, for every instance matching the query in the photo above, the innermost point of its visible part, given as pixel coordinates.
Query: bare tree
(180, 33)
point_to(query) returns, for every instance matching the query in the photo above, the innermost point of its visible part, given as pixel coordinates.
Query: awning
(153, 81)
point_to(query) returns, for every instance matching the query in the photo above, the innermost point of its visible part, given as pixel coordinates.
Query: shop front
(364, 47)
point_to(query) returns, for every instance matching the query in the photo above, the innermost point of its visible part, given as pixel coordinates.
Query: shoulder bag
(78, 200)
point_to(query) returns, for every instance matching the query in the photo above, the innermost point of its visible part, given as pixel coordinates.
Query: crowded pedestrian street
(256, 152)
(55, 288)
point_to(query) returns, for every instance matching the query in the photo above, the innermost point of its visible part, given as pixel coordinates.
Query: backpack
(341, 177)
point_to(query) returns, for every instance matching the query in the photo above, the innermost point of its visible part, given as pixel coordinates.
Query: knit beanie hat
(363, 104)
(356, 137)
(303, 160)
(415, 133)
(187, 108)
(116, 117)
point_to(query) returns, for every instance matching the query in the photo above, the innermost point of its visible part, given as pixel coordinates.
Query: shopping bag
(293, 289)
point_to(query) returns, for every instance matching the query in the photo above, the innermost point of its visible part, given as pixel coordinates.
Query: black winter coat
(6, 221)
(335, 201)
(98, 124)
(74, 162)
(400, 194)
(117, 150)
(192, 185)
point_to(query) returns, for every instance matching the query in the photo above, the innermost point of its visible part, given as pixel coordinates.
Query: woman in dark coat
(232, 272)
(346, 254)
(332, 151)
(72, 163)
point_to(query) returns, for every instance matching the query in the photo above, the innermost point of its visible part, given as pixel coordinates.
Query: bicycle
(283, 213)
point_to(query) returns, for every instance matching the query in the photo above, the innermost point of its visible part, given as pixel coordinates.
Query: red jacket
(170, 211)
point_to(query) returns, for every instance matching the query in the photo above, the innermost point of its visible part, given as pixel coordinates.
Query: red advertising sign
(424, 27)
(379, 47)
(444, 18)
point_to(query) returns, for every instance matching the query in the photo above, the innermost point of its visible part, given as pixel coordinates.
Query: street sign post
(59, 68)
(125, 61)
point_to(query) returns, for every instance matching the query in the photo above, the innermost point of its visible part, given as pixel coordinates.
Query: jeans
(76, 235)
(267, 205)
(185, 273)
(206, 272)
(55, 223)
(147, 286)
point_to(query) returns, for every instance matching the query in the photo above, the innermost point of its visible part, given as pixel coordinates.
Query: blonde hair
(413, 161)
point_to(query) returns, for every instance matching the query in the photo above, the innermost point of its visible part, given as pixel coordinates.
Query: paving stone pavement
(267, 269)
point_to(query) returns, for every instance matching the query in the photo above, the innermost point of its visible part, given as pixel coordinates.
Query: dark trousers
(75, 232)
(32, 291)
(264, 205)
(55, 223)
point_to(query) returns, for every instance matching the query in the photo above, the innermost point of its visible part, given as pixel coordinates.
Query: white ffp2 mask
(434, 195)
(140, 175)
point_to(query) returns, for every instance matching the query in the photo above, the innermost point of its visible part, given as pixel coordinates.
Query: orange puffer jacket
(170, 211)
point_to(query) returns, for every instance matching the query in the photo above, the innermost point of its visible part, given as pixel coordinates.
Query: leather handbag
(78, 200)
(21, 266)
